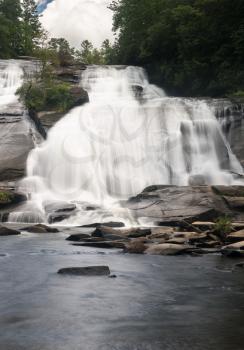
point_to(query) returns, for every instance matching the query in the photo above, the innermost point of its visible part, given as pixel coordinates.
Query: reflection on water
(155, 303)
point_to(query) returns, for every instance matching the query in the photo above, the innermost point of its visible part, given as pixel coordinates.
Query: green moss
(5, 197)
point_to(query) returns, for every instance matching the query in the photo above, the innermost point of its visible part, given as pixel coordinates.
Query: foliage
(223, 227)
(190, 47)
(5, 197)
(90, 55)
(41, 95)
(20, 28)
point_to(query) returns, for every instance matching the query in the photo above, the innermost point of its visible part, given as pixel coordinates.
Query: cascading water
(129, 136)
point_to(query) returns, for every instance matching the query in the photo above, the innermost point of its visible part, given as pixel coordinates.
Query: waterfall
(129, 136)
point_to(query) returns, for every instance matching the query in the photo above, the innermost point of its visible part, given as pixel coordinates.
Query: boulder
(177, 206)
(201, 237)
(102, 244)
(235, 236)
(5, 231)
(77, 237)
(166, 249)
(235, 202)
(104, 231)
(234, 250)
(136, 246)
(85, 271)
(107, 224)
(40, 228)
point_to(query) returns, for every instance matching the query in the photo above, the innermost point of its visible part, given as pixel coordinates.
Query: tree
(10, 28)
(31, 26)
(63, 50)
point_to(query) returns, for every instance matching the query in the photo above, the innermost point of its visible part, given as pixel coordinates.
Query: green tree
(31, 26)
(10, 28)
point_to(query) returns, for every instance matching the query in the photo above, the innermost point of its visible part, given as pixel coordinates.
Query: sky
(77, 20)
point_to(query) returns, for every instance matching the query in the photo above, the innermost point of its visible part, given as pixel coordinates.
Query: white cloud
(78, 20)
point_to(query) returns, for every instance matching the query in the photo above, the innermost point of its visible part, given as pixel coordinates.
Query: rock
(234, 250)
(102, 244)
(203, 225)
(85, 271)
(166, 249)
(161, 232)
(59, 207)
(238, 225)
(208, 244)
(58, 210)
(177, 240)
(103, 231)
(235, 236)
(40, 228)
(177, 206)
(185, 235)
(5, 231)
(201, 237)
(136, 246)
(235, 202)
(107, 224)
(229, 191)
(77, 237)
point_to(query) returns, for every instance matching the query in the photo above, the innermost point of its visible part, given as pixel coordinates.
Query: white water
(128, 137)
(10, 80)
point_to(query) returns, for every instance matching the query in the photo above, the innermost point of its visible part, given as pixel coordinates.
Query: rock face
(230, 114)
(86, 271)
(174, 206)
(17, 132)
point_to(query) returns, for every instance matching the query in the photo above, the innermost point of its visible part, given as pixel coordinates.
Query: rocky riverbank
(180, 220)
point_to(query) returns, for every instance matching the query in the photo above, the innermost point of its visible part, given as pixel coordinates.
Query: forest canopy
(190, 47)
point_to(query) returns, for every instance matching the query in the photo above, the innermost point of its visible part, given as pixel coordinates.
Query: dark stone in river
(86, 271)
(102, 244)
(40, 228)
(108, 224)
(5, 231)
(77, 237)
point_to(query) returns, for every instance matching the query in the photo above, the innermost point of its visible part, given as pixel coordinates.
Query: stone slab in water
(86, 271)
(5, 231)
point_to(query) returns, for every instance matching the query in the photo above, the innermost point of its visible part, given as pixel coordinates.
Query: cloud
(78, 20)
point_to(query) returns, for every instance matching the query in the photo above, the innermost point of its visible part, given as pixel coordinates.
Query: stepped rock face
(17, 132)
(230, 114)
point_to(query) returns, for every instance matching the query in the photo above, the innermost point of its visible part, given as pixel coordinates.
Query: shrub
(5, 197)
(43, 95)
(223, 227)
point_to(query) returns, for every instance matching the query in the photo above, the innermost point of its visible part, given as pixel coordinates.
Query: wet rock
(201, 237)
(107, 224)
(77, 237)
(40, 228)
(235, 236)
(203, 225)
(235, 202)
(102, 244)
(58, 211)
(5, 231)
(85, 271)
(229, 191)
(234, 250)
(104, 231)
(166, 249)
(161, 233)
(177, 206)
(136, 246)
(177, 240)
